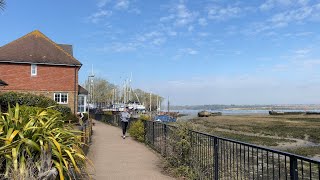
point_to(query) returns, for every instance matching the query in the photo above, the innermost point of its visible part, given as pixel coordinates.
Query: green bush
(179, 159)
(39, 133)
(85, 117)
(26, 111)
(108, 113)
(136, 130)
(12, 98)
(145, 117)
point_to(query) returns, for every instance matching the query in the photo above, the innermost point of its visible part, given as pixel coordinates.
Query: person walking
(125, 116)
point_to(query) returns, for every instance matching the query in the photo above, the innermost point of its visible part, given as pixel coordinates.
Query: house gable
(36, 48)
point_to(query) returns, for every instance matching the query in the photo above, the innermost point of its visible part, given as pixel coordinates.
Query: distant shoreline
(310, 107)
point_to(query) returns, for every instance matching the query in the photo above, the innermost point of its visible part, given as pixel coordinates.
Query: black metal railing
(86, 129)
(239, 160)
(213, 157)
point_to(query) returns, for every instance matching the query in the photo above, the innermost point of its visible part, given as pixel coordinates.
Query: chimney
(67, 48)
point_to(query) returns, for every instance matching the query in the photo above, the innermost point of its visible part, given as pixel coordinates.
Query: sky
(194, 52)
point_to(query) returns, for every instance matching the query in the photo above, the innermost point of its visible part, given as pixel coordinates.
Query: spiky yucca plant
(31, 135)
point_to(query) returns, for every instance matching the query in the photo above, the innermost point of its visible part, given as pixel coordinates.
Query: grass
(264, 141)
(265, 130)
(306, 151)
(281, 126)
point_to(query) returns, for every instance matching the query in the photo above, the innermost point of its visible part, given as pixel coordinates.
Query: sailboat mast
(157, 103)
(168, 105)
(150, 102)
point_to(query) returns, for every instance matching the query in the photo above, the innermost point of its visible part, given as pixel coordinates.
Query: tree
(102, 90)
(2, 4)
(144, 98)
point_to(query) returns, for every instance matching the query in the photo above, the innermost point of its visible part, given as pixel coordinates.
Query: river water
(193, 113)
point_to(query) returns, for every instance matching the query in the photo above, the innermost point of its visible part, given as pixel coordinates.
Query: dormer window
(33, 69)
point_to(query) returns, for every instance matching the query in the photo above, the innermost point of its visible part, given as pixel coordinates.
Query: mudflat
(294, 133)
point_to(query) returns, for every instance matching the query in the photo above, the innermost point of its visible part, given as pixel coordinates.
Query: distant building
(35, 64)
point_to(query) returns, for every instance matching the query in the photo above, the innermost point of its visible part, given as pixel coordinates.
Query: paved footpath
(116, 158)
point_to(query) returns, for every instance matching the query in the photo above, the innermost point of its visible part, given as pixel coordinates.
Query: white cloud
(155, 38)
(148, 36)
(183, 52)
(99, 15)
(189, 51)
(135, 11)
(167, 18)
(183, 16)
(172, 33)
(190, 28)
(159, 41)
(303, 2)
(102, 3)
(223, 13)
(295, 16)
(202, 22)
(203, 34)
(284, 18)
(119, 47)
(300, 53)
(271, 4)
(299, 34)
(122, 4)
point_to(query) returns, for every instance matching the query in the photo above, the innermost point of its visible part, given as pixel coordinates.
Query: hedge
(28, 99)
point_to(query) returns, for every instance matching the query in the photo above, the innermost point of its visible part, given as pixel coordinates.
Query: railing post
(119, 121)
(85, 134)
(165, 140)
(153, 133)
(216, 158)
(190, 151)
(145, 131)
(293, 168)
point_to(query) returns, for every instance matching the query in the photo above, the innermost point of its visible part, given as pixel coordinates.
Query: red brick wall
(48, 78)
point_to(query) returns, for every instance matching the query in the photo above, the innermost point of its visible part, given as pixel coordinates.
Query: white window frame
(33, 67)
(84, 105)
(60, 93)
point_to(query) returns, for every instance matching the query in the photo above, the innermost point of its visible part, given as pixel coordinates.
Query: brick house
(35, 64)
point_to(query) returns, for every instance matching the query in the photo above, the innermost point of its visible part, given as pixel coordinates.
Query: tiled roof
(82, 90)
(36, 48)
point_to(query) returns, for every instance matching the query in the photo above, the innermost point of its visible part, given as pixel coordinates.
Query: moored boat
(272, 112)
(207, 114)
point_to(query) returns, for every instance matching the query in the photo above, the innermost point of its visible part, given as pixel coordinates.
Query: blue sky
(196, 52)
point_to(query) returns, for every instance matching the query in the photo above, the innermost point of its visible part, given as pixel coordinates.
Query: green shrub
(12, 98)
(145, 117)
(26, 111)
(70, 118)
(40, 134)
(108, 113)
(85, 117)
(136, 130)
(179, 159)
